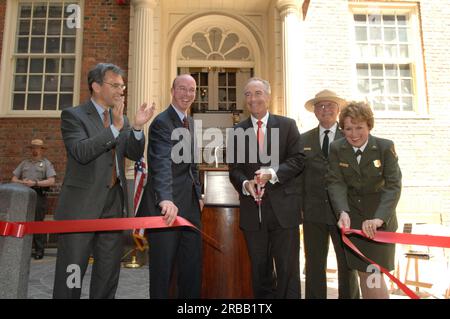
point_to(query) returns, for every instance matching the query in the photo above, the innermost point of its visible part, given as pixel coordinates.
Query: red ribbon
(20, 229)
(407, 239)
(396, 238)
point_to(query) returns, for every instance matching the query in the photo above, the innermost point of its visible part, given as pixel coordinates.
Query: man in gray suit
(319, 222)
(97, 137)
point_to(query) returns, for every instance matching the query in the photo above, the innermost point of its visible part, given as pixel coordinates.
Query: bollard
(17, 203)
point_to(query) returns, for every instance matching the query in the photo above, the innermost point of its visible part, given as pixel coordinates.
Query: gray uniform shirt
(35, 170)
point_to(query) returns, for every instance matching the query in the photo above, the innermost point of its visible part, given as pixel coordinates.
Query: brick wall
(327, 52)
(422, 144)
(434, 144)
(105, 39)
(16, 135)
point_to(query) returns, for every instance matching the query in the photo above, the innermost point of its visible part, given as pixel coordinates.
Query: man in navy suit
(271, 230)
(97, 137)
(173, 189)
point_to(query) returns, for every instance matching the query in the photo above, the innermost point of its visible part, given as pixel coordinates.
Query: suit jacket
(284, 195)
(368, 190)
(315, 201)
(167, 179)
(89, 162)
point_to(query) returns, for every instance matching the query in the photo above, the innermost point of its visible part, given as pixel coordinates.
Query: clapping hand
(143, 114)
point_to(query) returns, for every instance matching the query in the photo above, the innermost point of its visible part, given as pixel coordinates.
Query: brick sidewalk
(133, 283)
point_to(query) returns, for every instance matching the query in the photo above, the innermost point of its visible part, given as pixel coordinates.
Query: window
(227, 91)
(218, 88)
(44, 57)
(389, 67)
(221, 61)
(215, 45)
(202, 95)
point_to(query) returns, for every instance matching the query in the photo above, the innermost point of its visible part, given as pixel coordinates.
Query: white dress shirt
(358, 158)
(264, 121)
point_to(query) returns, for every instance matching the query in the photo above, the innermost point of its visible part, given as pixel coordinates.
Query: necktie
(260, 136)
(106, 123)
(186, 122)
(106, 120)
(357, 154)
(325, 143)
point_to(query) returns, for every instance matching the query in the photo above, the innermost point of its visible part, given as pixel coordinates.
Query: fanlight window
(215, 45)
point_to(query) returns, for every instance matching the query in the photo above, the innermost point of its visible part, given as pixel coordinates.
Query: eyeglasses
(117, 85)
(185, 89)
(323, 106)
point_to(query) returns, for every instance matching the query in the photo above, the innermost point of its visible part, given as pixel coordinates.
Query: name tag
(307, 148)
(343, 164)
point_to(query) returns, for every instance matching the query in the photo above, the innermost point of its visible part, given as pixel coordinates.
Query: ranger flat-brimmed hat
(325, 95)
(37, 143)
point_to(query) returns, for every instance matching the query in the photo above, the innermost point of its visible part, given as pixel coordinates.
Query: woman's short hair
(357, 111)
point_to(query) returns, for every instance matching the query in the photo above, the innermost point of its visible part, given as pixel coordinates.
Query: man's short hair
(97, 74)
(265, 83)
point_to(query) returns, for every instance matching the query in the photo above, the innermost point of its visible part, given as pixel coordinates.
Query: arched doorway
(221, 53)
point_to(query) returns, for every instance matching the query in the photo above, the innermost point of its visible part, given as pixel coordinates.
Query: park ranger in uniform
(37, 173)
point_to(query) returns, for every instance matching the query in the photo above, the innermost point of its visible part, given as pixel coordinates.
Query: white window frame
(213, 87)
(7, 63)
(420, 105)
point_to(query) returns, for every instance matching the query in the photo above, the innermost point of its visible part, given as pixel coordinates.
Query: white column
(141, 60)
(293, 69)
(141, 55)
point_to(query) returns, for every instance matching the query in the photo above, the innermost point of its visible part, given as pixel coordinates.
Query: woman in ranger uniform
(364, 184)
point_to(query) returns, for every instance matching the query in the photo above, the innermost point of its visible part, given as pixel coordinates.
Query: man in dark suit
(271, 230)
(319, 221)
(173, 189)
(97, 137)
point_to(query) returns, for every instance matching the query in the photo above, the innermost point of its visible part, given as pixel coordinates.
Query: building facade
(392, 53)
